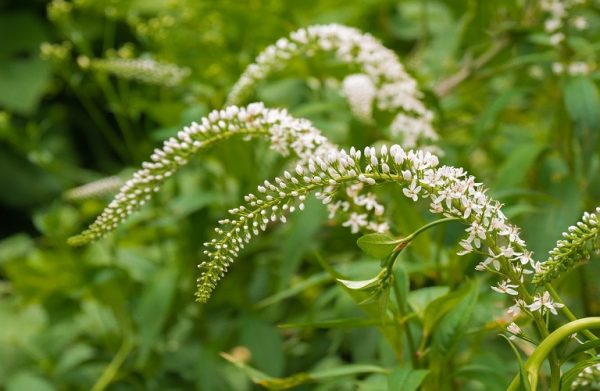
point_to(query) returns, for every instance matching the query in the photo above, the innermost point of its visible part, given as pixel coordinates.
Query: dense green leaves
(519, 112)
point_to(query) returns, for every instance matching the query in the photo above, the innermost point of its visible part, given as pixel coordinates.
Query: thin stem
(113, 99)
(566, 311)
(470, 67)
(406, 326)
(548, 345)
(113, 367)
(101, 123)
(403, 242)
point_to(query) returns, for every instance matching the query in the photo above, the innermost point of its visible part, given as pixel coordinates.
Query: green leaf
(582, 348)
(377, 245)
(333, 323)
(406, 379)
(514, 169)
(266, 344)
(438, 308)
(23, 75)
(22, 84)
(420, 298)
(488, 375)
(451, 328)
(582, 102)
(153, 310)
(292, 291)
(359, 285)
(274, 383)
(27, 381)
(523, 378)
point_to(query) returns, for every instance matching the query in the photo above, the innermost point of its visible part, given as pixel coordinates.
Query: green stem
(567, 312)
(403, 242)
(406, 326)
(547, 347)
(113, 367)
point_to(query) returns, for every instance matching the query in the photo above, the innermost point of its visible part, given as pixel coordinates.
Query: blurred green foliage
(120, 314)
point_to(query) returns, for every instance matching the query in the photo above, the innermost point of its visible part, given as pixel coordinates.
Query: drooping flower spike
(143, 70)
(378, 81)
(450, 191)
(286, 134)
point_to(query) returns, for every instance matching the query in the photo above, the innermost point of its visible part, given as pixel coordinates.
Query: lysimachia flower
(560, 14)
(144, 70)
(97, 188)
(383, 81)
(544, 302)
(506, 287)
(580, 242)
(288, 135)
(514, 329)
(449, 188)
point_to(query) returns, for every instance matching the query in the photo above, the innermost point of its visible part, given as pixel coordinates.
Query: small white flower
(412, 191)
(580, 23)
(515, 309)
(544, 302)
(467, 247)
(356, 222)
(513, 328)
(557, 38)
(505, 287)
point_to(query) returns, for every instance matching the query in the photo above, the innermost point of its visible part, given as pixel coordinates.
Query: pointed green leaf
(358, 285)
(283, 383)
(419, 299)
(406, 379)
(378, 245)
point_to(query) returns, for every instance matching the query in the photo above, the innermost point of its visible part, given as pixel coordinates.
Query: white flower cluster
(588, 379)
(144, 70)
(559, 13)
(395, 90)
(574, 68)
(286, 134)
(579, 243)
(450, 190)
(360, 92)
(95, 189)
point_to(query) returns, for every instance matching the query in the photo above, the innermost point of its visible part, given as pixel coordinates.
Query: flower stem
(567, 312)
(547, 347)
(409, 337)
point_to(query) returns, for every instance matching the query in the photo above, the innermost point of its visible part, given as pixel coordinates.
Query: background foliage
(120, 314)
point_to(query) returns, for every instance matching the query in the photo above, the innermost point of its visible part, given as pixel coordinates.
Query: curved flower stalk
(389, 87)
(286, 134)
(450, 191)
(144, 70)
(581, 241)
(96, 188)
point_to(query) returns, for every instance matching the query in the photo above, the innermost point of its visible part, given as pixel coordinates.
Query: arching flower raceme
(96, 188)
(390, 88)
(288, 135)
(144, 70)
(579, 243)
(450, 191)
